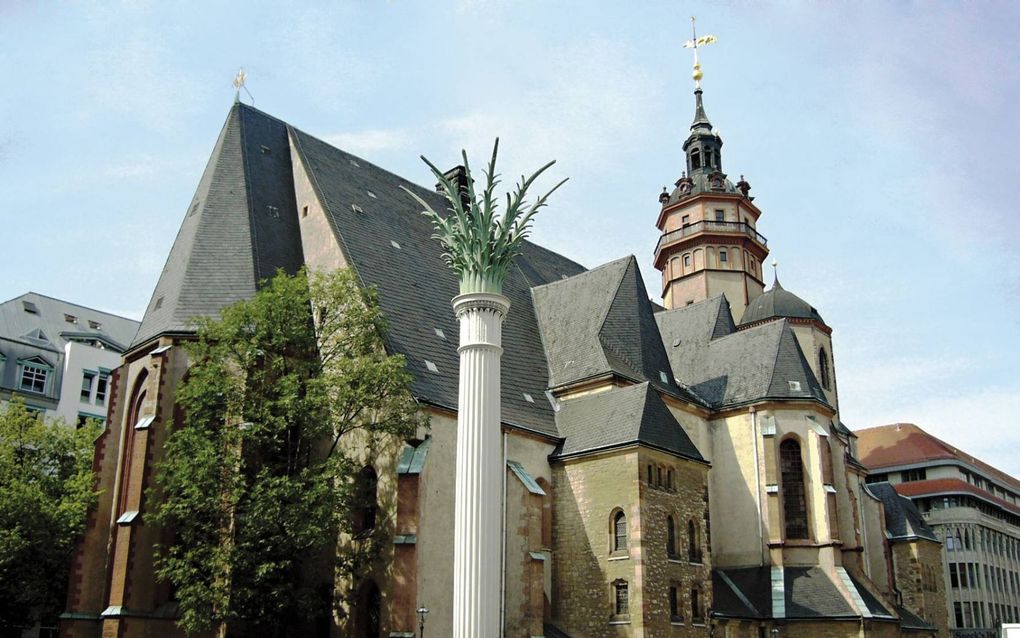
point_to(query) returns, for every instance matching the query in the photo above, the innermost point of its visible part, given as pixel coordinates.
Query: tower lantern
(709, 244)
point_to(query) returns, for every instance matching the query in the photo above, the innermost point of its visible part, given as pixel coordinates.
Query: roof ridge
(69, 303)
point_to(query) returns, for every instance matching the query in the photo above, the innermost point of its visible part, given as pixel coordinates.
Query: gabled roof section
(898, 444)
(902, 519)
(51, 323)
(601, 322)
(416, 287)
(618, 417)
(240, 228)
(726, 367)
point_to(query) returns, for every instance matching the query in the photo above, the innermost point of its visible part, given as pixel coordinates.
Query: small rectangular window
(685, 220)
(674, 605)
(87, 379)
(30, 307)
(723, 256)
(720, 215)
(696, 606)
(687, 261)
(918, 474)
(101, 388)
(95, 325)
(622, 599)
(304, 211)
(70, 318)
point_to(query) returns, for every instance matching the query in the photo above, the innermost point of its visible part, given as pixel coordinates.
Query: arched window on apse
(134, 414)
(794, 494)
(823, 369)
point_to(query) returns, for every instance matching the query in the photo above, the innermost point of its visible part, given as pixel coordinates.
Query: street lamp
(422, 611)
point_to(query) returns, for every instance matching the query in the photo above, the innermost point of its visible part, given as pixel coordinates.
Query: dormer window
(34, 375)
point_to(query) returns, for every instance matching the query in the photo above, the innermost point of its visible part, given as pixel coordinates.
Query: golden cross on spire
(695, 43)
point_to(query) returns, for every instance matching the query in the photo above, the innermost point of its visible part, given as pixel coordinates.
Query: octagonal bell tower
(709, 243)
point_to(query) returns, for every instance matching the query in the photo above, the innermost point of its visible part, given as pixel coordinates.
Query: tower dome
(777, 302)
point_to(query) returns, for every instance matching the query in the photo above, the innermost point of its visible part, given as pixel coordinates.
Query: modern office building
(973, 508)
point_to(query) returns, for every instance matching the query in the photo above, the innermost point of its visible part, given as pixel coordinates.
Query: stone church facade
(674, 470)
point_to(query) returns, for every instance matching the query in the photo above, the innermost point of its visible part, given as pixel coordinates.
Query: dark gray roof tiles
(809, 593)
(778, 302)
(601, 322)
(61, 321)
(622, 416)
(903, 521)
(416, 287)
(727, 368)
(239, 229)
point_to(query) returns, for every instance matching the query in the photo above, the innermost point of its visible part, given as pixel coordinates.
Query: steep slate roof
(240, 227)
(727, 367)
(778, 302)
(601, 322)
(808, 592)
(902, 519)
(17, 324)
(416, 287)
(898, 444)
(622, 416)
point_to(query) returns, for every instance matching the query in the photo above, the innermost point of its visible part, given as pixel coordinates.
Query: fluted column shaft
(478, 500)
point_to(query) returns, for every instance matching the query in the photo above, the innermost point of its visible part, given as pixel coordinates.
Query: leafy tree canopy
(46, 490)
(256, 482)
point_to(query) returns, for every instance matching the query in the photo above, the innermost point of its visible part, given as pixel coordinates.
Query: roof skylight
(431, 366)
(440, 333)
(394, 244)
(371, 194)
(30, 307)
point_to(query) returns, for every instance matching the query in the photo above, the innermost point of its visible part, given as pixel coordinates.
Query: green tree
(46, 490)
(256, 481)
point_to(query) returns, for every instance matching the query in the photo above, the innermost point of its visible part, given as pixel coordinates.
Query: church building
(672, 470)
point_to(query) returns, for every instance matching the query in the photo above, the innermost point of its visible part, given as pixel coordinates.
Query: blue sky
(879, 139)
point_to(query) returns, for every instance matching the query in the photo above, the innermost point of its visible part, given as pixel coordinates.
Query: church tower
(709, 244)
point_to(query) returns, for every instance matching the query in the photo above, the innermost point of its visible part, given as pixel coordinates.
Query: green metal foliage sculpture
(478, 245)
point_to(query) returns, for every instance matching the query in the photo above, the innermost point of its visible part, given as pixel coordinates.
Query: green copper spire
(479, 246)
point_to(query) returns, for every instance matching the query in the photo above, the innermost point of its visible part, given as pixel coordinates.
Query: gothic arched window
(367, 611)
(367, 496)
(693, 542)
(823, 369)
(794, 494)
(134, 414)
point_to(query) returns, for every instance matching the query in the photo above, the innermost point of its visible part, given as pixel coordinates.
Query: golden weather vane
(239, 81)
(695, 43)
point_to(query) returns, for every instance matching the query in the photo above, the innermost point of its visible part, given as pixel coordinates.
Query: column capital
(480, 301)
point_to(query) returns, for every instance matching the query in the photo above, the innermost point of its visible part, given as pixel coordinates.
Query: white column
(477, 537)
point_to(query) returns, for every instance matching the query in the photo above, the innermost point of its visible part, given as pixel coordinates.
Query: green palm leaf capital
(477, 244)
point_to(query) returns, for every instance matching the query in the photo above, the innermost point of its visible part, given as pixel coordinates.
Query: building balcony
(713, 227)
